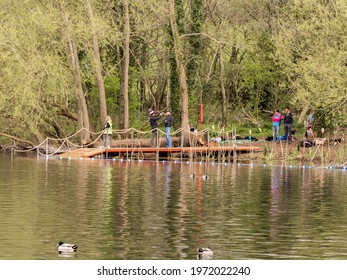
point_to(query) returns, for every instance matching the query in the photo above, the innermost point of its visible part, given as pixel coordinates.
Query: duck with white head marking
(204, 253)
(66, 247)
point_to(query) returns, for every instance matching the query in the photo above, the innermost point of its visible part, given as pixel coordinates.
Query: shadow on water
(158, 210)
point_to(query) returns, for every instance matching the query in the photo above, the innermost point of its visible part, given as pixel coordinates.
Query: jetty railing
(191, 140)
(132, 137)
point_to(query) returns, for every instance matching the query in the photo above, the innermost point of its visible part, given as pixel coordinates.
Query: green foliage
(173, 86)
(275, 53)
(315, 33)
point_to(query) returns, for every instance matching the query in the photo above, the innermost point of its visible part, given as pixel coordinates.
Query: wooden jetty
(162, 151)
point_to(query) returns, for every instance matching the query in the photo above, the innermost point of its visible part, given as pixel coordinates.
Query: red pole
(201, 118)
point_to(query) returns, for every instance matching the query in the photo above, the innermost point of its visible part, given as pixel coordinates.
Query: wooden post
(250, 141)
(132, 142)
(322, 130)
(304, 140)
(127, 149)
(234, 153)
(46, 148)
(157, 153)
(208, 143)
(182, 141)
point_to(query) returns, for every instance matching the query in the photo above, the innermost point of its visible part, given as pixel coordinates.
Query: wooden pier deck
(94, 152)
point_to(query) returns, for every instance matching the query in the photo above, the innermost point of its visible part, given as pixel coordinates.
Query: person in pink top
(276, 123)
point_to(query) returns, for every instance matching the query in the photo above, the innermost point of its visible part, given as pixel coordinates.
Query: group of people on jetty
(277, 119)
(153, 121)
(154, 125)
(287, 119)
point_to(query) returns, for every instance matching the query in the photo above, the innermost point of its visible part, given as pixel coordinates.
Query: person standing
(288, 122)
(154, 125)
(107, 132)
(276, 121)
(309, 125)
(167, 127)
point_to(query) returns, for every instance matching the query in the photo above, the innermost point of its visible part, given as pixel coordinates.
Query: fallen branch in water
(17, 139)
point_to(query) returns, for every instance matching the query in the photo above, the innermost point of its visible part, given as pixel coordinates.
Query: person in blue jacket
(167, 127)
(276, 121)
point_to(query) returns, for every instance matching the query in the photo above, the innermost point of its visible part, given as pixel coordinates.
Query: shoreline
(327, 153)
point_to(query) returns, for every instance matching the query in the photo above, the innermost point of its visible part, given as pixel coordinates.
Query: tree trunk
(83, 117)
(97, 62)
(184, 95)
(180, 66)
(124, 108)
(302, 116)
(38, 135)
(222, 87)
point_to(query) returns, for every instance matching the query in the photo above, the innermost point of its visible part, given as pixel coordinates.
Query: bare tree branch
(17, 139)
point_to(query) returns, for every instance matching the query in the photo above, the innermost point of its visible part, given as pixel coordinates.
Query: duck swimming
(205, 251)
(65, 247)
(204, 254)
(193, 176)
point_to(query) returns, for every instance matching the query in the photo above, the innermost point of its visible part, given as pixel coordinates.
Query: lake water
(157, 210)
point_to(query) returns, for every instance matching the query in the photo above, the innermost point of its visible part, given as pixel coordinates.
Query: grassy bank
(332, 154)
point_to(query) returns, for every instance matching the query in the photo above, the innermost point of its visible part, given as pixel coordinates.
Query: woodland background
(66, 64)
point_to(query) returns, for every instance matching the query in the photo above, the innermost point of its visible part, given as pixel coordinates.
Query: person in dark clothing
(288, 122)
(167, 127)
(154, 125)
(107, 132)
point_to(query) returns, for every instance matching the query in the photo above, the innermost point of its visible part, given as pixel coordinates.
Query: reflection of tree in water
(156, 210)
(183, 208)
(282, 219)
(176, 212)
(323, 212)
(314, 192)
(147, 210)
(107, 188)
(275, 192)
(321, 202)
(116, 212)
(167, 181)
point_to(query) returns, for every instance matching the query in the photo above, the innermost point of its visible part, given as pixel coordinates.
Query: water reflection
(281, 199)
(156, 210)
(67, 255)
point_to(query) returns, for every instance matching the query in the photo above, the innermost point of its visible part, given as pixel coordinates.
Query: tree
(98, 68)
(124, 112)
(178, 50)
(241, 57)
(312, 37)
(35, 82)
(83, 117)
